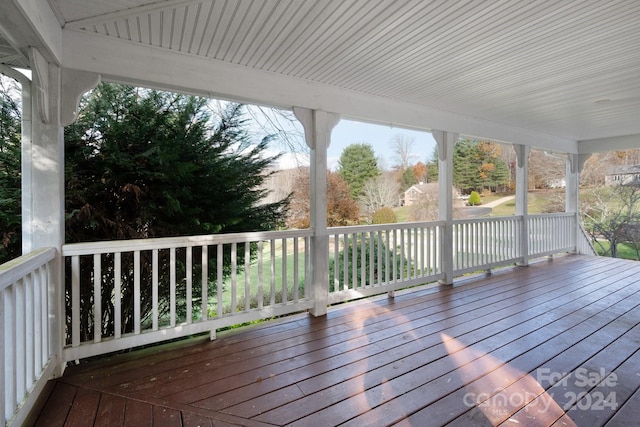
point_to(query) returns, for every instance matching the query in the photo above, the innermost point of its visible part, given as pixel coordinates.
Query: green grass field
(538, 203)
(625, 250)
(270, 275)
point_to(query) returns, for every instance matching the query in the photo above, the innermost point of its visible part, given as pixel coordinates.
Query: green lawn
(625, 250)
(538, 203)
(402, 213)
(494, 196)
(267, 277)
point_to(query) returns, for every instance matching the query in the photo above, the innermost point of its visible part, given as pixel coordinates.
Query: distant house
(624, 175)
(421, 191)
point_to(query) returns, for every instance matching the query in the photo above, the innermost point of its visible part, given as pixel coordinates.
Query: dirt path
(498, 202)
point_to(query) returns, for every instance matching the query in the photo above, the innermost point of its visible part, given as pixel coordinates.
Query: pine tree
(477, 165)
(357, 165)
(10, 190)
(142, 163)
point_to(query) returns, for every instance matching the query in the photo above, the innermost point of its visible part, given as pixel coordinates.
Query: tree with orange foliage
(341, 208)
(477, 165)
(420, 172)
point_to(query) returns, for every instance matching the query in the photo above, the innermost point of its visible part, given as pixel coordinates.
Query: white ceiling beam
(31, 23)
(615, 143)
(132, 63)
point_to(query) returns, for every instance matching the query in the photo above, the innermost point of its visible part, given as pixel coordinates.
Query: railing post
(317, 129)
(575, 163)
(522, 189)
(446, 142)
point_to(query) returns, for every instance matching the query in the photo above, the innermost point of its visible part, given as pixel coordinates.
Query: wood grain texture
(533, 345)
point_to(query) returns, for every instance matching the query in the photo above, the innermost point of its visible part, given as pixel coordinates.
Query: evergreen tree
(465, 166)
(477, 165)
(357, 165)
(10, 187)
(142, 163)
(408, 179)
(432, 166)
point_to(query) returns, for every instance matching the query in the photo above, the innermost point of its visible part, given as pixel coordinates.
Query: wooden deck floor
(556, 343)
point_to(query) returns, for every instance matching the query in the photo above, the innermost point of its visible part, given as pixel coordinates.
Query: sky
(380, 138)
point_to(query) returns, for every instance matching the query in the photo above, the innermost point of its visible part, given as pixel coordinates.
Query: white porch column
(522, 199)
(55, 94)
(317, 130)
(446, 142)
(43, 189)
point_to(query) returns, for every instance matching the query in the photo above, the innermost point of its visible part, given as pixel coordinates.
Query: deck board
(471, 354)
(110, 411)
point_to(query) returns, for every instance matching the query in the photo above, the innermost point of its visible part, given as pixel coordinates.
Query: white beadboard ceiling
(569, 69)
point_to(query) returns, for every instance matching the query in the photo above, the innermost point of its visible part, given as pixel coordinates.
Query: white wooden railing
(137, 292)
(584, 244)
(368, 260)
(552, 233)
(26, 347)
(174, 287)
(130, 293)
(485, 243)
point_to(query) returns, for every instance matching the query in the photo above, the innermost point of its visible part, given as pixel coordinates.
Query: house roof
(625, 170)
(560, 75)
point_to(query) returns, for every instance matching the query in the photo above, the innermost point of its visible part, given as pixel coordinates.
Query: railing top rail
(90, 248)
(488, 219)
(21, 266)
(386, 227)
(555, 214)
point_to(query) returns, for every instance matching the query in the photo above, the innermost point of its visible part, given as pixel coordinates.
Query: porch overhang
(562, 77)
(120, 61)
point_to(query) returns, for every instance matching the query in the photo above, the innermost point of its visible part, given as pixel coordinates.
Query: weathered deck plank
(482, 352)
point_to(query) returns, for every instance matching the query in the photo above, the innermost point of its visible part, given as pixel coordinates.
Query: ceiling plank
(28, 24)
(119, 61)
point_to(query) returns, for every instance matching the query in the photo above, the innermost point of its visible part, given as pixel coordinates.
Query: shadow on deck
(557, 342)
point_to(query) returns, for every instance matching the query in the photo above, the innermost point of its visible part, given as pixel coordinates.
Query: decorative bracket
(442, 138)
(577, 161)
(312, 118)
(522, 154)
(74, 84)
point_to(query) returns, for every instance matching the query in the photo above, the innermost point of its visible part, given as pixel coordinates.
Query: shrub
(355, 259)
(384, 215)
(474, 199)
